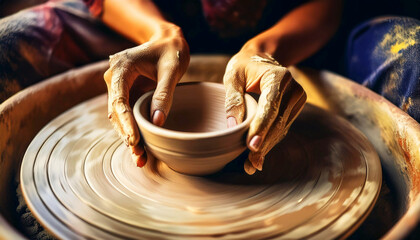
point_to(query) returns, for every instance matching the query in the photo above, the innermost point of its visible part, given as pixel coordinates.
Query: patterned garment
(233, 17)
(48, 39)
(384, 55)
(95, 6)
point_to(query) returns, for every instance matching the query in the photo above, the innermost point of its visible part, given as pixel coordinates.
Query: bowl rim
(156, 130)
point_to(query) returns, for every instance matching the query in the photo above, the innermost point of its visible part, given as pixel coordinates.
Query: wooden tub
(394, 134)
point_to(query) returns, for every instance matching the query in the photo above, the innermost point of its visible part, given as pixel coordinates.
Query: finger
(120, 110)
(249, 168)
(256, 160)
(295, 101)
(272, 84)
(140, 86)
(138, 154)
(292, 104)
(234, 100)
(111, 115)
(168, 77)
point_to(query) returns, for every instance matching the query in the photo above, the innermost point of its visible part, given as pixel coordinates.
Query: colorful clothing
(384, 55)
(48, 39)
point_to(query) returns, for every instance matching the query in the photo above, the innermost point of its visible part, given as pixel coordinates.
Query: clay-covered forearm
(138, 20)
(300, 33)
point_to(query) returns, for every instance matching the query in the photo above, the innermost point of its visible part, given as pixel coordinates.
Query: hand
(163, 59)
(281, 100)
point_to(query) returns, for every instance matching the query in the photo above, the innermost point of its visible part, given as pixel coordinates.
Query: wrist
(158, 30)
(166, 30)
(257, 45)
(269, 46)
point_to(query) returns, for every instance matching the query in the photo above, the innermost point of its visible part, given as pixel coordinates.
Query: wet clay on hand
(162, 61)
(281, 99)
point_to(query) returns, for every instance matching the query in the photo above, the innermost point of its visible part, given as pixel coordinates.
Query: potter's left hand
(281, 100)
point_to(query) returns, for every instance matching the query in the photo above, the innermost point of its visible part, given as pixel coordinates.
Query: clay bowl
(195, 139)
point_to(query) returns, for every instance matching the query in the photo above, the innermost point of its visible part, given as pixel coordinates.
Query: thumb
(234, 100)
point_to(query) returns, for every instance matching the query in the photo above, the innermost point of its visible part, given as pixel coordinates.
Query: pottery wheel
(78, 179)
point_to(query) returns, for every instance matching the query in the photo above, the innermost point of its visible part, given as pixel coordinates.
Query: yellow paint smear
(402, 45)
(399, 38)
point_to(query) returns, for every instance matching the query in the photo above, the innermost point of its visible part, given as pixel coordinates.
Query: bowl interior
(197, 108)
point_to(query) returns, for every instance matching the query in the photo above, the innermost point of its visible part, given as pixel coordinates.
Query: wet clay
(195, 139)
(319, 182)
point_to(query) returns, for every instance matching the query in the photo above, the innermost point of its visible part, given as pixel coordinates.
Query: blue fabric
(384, 55)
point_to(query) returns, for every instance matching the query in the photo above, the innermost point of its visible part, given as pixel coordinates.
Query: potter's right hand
(163, 59)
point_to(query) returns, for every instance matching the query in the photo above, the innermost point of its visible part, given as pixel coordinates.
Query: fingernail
(141, 161)
(158, 118)
(231, 122)
(138, 155)
(255, 143)
(131, 140)
(259, 164)
(249, 169)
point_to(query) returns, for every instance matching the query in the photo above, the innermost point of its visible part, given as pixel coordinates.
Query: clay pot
(195, 139)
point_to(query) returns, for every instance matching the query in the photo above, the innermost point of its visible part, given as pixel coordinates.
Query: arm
(137, 20)
(300, 33)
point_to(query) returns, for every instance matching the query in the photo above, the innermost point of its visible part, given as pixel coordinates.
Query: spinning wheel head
(79, 181)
